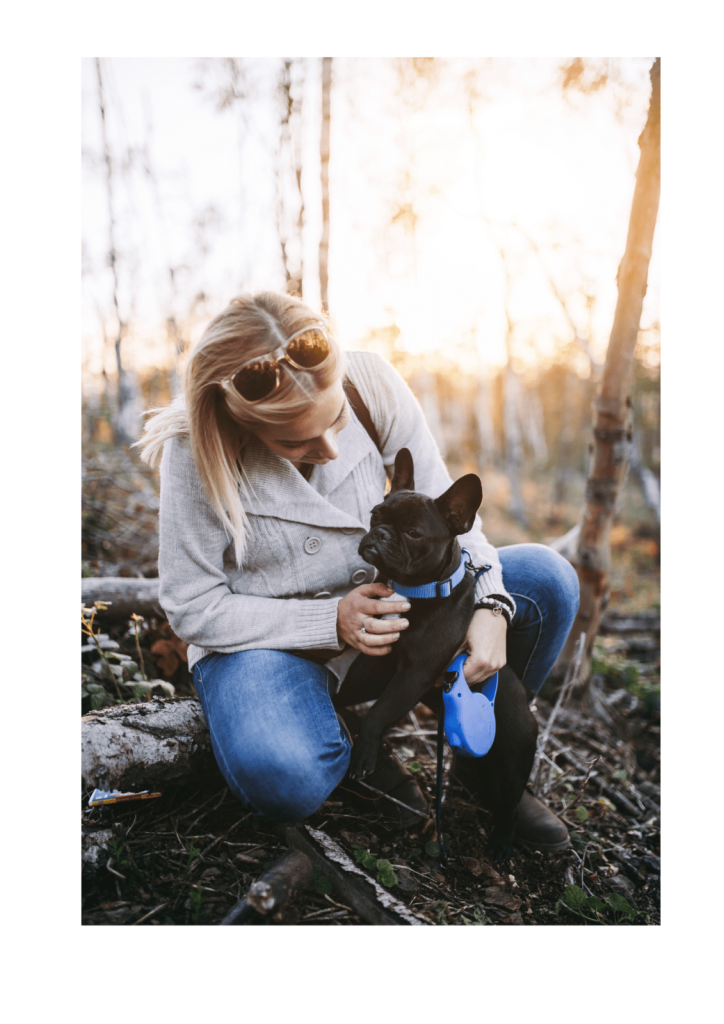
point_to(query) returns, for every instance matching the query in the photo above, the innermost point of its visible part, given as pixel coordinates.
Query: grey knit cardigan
(302, 557)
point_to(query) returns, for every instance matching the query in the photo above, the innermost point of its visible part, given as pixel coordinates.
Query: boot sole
(545, 847)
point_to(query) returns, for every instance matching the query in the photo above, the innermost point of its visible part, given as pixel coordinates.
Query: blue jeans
(274, 731)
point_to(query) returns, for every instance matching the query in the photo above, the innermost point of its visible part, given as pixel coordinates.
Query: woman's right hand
(357, 608)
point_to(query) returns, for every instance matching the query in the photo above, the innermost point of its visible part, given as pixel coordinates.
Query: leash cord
(439, 782)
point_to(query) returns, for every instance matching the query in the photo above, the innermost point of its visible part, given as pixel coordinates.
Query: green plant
(439, 907)
(115, 667)
(649, 693)
(197, 899)
(385, 873)
(99, 641)
(479, 916)
(432, 848)
(193, 851)
(591, 908)
(413, 766)
(119, 855)
(95, 691)
(613, 667)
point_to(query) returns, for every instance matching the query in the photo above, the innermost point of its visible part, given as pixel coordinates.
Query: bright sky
(560, 168)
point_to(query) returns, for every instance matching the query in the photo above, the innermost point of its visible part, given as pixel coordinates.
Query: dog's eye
(412, 532)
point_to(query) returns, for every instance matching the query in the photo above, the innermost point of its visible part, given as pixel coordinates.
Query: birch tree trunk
(127, 422)
(290, 200)
(484, 420)
(324, 154)
(513, 442)
(612, 409)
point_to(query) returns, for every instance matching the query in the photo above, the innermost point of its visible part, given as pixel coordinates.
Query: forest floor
(190, 855)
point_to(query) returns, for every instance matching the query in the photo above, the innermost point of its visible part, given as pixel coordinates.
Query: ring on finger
(362, 627)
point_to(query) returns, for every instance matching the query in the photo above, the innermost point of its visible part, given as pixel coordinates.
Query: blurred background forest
(475, 211)
(466, 218)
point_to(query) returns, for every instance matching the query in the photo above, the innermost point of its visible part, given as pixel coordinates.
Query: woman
(268, 478)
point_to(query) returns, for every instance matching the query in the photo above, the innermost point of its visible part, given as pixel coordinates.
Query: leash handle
(470, 716)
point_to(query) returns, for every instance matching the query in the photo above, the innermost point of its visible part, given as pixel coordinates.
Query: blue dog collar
(442, 588)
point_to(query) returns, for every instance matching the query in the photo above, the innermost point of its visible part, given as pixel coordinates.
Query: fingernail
(406, 607)
(404, 624)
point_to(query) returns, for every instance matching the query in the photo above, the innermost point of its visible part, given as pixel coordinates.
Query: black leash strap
(439, 782)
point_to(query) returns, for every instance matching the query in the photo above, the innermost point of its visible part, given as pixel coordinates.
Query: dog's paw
(501, 848)
(363, 760)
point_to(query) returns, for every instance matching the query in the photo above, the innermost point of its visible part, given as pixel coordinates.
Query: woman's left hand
(485, 644)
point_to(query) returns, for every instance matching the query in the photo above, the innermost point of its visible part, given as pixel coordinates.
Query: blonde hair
(217, 421)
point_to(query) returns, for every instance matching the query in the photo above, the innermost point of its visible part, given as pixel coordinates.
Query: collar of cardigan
(441, 588)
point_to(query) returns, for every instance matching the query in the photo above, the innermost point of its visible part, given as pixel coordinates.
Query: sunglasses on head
(259, 378)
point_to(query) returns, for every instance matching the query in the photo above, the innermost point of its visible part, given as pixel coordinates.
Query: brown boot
(389, 777)
(538, 828)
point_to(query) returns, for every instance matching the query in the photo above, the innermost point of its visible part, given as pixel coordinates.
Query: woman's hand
(485, 644)
(357, 608)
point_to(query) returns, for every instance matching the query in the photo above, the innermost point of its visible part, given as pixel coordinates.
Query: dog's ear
(404, 475)
(460, 502)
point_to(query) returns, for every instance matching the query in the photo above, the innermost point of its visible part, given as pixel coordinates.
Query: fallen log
(270, 893)
(366, 896)
(634, 622)
(133, 747)
(124, 595)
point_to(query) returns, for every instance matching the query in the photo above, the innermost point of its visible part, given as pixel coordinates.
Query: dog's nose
(381, 533)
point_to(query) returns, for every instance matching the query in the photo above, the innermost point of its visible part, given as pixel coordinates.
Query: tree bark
(324, 155)
(612, 409)
(125, 595)
(133, 747)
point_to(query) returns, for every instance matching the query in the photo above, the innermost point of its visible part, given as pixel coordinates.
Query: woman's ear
(404, 475)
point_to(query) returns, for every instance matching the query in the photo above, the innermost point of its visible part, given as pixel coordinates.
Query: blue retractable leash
(467, 720)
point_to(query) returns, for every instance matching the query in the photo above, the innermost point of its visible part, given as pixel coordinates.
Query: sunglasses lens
(256, 381)
(308, 349)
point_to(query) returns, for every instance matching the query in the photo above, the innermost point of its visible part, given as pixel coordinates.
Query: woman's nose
(328, 446)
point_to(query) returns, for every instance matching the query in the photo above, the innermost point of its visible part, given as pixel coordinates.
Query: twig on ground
(428, 746)
(150, 913)
(394, 800)
(568, 684)
(113, 870)
(613, 794)
(583, 884)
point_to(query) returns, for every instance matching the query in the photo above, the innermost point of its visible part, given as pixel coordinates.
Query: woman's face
(311, 438)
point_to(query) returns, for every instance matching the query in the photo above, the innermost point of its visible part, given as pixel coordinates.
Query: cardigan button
(312, 545)
(323, 593)
(349, 530)
(359, 576)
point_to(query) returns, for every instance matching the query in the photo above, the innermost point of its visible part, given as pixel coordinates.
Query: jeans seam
(226, 763)
(525, 597)
(342, 734)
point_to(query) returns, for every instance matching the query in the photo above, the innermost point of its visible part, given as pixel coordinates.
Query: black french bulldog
(413, 541)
